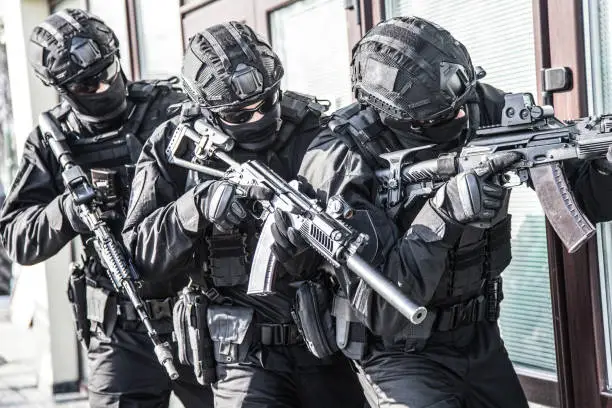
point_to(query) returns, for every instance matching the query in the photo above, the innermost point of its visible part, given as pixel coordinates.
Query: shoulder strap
(473, 112)
(296, 106)
(142, 94)
(295, 110)
(360, 129)
(61, 113)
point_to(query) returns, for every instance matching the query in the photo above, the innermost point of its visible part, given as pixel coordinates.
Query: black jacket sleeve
(33, 225)
(163, 223)
(415, 260)
(592, 189)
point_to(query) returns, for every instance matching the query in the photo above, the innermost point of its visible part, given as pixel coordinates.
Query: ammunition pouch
(192, 334)
(101, 309)
(227, 258)
(312, 315)
(78, 302)
(230, 331)
(351, 334)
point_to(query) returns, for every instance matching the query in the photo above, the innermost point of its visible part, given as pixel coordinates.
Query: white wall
(40, 292)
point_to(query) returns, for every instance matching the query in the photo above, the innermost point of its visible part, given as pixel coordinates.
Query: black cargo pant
(287, 377)
(124, 372)
(467, 367)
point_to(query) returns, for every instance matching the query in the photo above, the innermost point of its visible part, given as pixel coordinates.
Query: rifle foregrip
(559, 204)
(427, 170)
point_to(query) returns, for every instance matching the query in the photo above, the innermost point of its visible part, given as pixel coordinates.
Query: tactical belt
(481, 308)
(158, 309)
(278, 334)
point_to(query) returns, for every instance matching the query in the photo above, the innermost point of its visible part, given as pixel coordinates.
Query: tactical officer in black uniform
(416, 86)
(182, 224)
(106, 121)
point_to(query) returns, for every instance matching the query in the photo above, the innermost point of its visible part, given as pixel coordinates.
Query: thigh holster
(195, 346)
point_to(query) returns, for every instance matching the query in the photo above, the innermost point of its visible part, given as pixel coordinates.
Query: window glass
(159, 38)
(316, 61)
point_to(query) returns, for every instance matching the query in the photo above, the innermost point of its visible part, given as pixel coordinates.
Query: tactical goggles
(245, 114)
(92, 83)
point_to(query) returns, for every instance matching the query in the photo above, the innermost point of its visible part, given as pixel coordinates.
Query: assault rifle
(544, 143)
(322, 229)
(118, 266)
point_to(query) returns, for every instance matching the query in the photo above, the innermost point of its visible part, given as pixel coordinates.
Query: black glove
(604, 165)
(221, 202)
(474, 195)
(288, 243)
(71, 213)
(291, 250)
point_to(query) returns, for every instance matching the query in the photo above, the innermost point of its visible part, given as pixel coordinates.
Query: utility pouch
(351, 334)
(106, 182)
(312, 315)
(227, 258)
(229, 331)
(192, 335)
(101, 309)
(77, 295)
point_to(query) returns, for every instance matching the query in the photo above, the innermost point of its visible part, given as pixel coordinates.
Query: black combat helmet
(228, 67)
(412, 70)
(74, 52)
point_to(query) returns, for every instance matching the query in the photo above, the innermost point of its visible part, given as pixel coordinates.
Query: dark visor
(91, 84)
(244, 115)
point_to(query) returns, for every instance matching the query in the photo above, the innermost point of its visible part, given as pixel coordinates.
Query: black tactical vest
(480, 255)
(109, 159)
(225, 258)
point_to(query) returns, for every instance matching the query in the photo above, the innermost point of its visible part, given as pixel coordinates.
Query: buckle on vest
(160, 309)
(469, 313)
(212, 294)
(278, 334)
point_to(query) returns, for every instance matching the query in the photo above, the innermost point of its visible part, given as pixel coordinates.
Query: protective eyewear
(91, 84)
(245, 114)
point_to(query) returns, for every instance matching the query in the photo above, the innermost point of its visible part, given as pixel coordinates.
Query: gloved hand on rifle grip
(221, 202)
(475, 195)
(288, 242)
(71, 213)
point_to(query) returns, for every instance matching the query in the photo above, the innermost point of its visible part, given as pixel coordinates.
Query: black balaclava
(104, 110)
(255, 136)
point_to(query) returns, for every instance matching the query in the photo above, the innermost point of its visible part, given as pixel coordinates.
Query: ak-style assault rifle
(322, 229)
(118, 266)
(544, 143)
